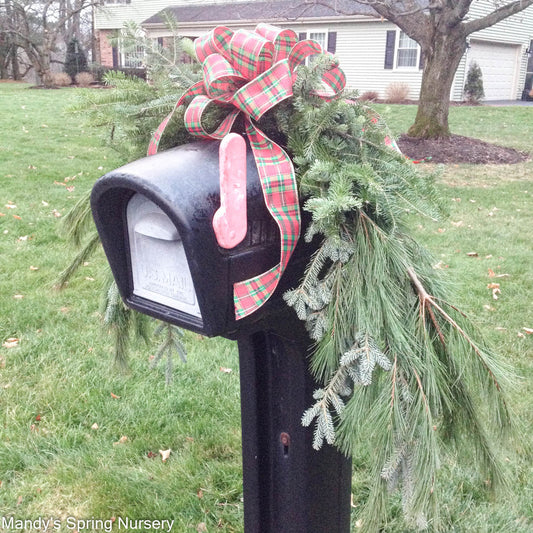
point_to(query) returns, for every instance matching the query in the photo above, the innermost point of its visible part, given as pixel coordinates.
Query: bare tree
(441, 28)
(36, 27)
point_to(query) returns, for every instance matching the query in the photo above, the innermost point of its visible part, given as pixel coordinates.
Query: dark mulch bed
(459, 149)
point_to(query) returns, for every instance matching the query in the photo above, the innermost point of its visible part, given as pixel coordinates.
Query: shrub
(369, 96)
(397, 92)
(75, 60)
(62, 79)
(474, 84)
(84, 79)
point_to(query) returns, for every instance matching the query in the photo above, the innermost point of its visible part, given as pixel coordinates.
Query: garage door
(499, 65)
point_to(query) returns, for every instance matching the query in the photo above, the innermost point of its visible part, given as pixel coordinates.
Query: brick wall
(105, 48)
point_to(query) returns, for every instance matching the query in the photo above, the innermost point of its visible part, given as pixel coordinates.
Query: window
(132, 57)
(320, 38)
(326, 39)
(408, 50)
(401, 52)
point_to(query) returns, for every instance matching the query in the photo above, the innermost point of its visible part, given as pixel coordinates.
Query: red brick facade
(105, 48)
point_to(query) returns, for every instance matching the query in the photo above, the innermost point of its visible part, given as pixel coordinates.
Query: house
(373, 52)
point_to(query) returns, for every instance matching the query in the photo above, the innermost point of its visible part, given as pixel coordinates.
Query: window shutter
(114, 50)
(302, 36)
(332, 42)
(389, 49)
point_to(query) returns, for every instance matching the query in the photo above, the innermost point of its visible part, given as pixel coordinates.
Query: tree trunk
(441, 58)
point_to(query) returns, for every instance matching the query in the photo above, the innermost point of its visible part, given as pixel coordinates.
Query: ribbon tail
(280, 192)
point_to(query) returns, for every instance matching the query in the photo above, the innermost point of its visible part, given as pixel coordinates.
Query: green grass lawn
(80, 439)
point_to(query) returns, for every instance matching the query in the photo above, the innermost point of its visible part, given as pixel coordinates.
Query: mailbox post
(154, 217)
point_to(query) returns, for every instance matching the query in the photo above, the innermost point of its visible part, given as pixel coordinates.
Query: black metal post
(288, 486)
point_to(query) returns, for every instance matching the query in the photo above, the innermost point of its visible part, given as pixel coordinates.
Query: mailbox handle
(230, 220)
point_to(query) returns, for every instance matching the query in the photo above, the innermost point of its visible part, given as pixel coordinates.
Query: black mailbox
(155, 220)
(154, 217)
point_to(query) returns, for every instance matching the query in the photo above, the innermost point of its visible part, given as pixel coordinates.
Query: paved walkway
(500, 103)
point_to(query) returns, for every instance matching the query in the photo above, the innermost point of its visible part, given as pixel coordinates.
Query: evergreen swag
(402, 369)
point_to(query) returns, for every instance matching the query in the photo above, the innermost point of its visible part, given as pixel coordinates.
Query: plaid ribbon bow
(254, 71)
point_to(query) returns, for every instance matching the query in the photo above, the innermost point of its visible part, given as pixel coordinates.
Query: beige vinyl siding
(516, 30)
(361, 51)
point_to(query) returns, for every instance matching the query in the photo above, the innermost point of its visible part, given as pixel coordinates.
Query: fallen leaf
(151, 455)
(200, 493)
(44, 126)
(38, 418)
(87, 278)
(529, 331)
(12, 342)
(458, 224)
(11, 206)
(18, 296)
(71, 188)
(32, 167)
(34, 267)
(122, 440)
(19, 500)
(491, 273)
(46, 204)
(94, 427)
(2, 214)
(226, 370)
(493, 286)
(114, 396)
(23, 238)
(165, 454)
(489, 307)
(56, 213)
(520, 334)
(17, 217)
(201, 528)
(472, 254)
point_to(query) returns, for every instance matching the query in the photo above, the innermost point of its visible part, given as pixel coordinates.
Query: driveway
(500, 103)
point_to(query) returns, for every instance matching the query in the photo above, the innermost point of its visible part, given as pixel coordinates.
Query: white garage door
(499, 66)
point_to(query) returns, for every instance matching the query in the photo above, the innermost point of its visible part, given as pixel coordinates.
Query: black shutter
(114, 49)
(332, 42)
(302, 36)
(389, 49)
(421, 60)
(160, 42)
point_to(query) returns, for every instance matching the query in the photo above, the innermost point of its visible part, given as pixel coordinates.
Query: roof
(269, 10)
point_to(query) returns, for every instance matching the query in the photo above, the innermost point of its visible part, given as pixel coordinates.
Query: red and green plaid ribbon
(253, 72)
